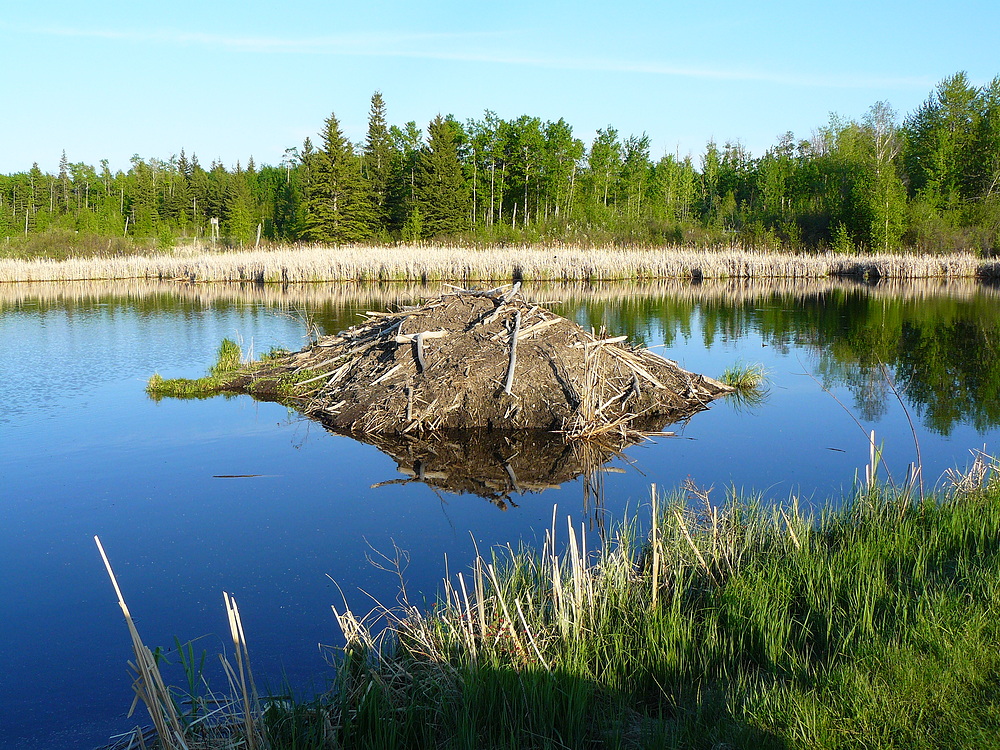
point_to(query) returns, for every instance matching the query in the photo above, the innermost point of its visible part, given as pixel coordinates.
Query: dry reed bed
(436, 262)
(390, 295)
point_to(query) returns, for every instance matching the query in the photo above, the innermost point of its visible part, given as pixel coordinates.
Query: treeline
(930, 183)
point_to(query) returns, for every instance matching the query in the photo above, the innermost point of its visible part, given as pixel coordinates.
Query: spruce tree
(338, 208)
(377, 162)
(64, 181)
(239, 225)
(441, 189)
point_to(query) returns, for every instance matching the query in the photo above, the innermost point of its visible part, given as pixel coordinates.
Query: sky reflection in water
(84, 452)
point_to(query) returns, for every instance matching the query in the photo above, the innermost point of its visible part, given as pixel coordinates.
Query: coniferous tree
(377, 162)
(143, 212)
(338, 205)
(199, 195)
(238, 223)
(442, 192)
(64, 181)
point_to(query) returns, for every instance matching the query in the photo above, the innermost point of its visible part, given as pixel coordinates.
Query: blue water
(83, 451)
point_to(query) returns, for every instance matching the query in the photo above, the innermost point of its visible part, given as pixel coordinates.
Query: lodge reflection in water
(495, 465)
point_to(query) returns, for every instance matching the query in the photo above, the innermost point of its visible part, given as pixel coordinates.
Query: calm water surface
(83, 451)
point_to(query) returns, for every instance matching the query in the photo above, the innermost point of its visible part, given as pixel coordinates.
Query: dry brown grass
(303, 264)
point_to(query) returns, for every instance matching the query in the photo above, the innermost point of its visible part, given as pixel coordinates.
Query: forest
(929, 182)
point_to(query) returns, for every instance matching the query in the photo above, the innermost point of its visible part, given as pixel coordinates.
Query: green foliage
(842, 242)
(338, 203)
(737, 625)
(440, 188)
(228, 359)
(377, 160)
(228, 362)
(930, 184)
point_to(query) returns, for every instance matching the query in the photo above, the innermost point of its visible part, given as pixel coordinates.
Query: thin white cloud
(665, 69)
(428, 46)
(353, 43)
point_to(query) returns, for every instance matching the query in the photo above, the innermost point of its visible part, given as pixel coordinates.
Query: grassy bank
(424, 263)
(717, 625)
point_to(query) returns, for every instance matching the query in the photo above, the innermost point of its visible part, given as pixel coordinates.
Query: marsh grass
(729, 625)
(713, 624)
(430, 263)
(749, 383)
(62, 244)
(228, 360)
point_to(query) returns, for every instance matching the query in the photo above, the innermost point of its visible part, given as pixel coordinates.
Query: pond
(167, 485)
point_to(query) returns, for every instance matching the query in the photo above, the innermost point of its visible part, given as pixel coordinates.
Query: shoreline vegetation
(428, 262)
(927, 183)
(711, 624)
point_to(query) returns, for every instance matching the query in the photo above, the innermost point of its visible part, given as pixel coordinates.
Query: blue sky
(228, 80)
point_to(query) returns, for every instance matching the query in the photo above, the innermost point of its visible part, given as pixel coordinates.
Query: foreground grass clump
(743, 626)
(740, 625)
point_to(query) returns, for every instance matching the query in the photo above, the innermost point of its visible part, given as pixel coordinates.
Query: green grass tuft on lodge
(228, 361)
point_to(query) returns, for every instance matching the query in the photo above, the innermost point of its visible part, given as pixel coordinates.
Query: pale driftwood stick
(493, 315)
(322, 364)
(409, 403)
(492, 293)
(419, 341)
(326, 374)
(537, 327)
(387, 375)
(610, 401)
(377, 333)
(624, 357)
(409, 338)
(582, 344)
(513, 290)
(513, 479)
(513, 353)
(335, 378)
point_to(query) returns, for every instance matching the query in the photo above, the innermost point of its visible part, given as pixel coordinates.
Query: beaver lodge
(477, 359)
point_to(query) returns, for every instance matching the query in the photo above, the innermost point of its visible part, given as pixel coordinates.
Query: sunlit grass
(422, 263)
(729, 624)
(737, 625)
(227, 361)
(749, 381)
(745, 376)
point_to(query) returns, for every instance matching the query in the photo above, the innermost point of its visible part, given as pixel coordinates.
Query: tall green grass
(749, 383)
(732, 625)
